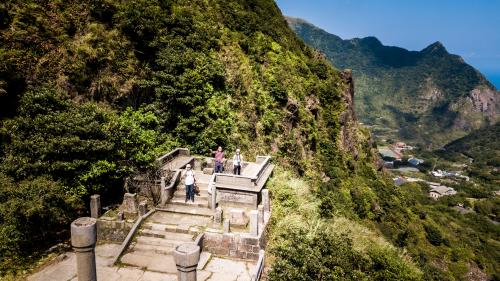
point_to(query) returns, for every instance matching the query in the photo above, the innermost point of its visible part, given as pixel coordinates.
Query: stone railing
(172, 154)
(259, 267)
(245, 188)
(167, 192)
(131, 234)
(264, 162)
(249, 181)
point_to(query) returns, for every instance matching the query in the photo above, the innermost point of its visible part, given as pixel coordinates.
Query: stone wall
(112, 230)
(235, 245)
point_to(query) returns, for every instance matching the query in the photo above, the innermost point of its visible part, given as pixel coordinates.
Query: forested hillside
(481, 151)
(429, 97)
(93, 91)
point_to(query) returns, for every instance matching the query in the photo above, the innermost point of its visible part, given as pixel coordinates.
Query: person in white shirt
(189, 181)
(237, 160)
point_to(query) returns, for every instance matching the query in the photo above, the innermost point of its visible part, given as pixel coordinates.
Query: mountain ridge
(428, 97)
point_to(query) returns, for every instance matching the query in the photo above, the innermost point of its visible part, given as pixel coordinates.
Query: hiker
(237, 160)
(219, 159)
(189, 181)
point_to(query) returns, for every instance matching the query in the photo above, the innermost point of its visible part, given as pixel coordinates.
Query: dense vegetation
(416, 96)
(91, 92)
(481, 151)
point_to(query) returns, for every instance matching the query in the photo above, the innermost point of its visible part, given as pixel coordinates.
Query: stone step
(192, 210)
(198, 202)
(153, 262)
(167, 235)
(145, 249)
(154, 241)
(182, 193)
(204, 259)
(201, 177)
(191, 228)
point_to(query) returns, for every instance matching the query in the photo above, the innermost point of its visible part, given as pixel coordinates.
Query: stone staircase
(200, 207)
(176, 223)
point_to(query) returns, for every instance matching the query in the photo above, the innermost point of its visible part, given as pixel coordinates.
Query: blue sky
(469, 28)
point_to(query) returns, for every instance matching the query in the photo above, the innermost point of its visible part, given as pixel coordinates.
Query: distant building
(415, 161)
(438, 173)
(399, 181)
(438, 191)
(389, 164)
(388, 154)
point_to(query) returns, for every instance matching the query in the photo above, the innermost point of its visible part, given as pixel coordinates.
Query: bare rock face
(485, 101)
(481, 107)
(348, 120)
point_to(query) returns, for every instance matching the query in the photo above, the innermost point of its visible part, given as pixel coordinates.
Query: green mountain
(428, 97)
(92, 92)
(480, 151)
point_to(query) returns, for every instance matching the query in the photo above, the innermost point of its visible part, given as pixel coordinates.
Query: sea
(494, 78)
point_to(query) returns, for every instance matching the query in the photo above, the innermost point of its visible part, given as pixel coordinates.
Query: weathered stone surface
(130, 204)
(238, 217)
(113, 230)
(254, 222)
(265, 200)
(218, 215)
(120, 216)
(83, 239)
(186, 258)
(237, 197)
(95, 206)
(227, 225)
(208, 171)
(143, 208)
(260, 208)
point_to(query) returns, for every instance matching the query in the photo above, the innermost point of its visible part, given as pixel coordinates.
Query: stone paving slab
(217, 269)
(179, 219)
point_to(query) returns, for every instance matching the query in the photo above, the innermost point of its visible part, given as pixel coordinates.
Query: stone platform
(215, 269)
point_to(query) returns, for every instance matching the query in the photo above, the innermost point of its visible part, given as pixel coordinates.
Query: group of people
(220, 159)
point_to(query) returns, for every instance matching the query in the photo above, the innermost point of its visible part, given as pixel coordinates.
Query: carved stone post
(260, 208)
(265, 200)
(143, 208)
(186, 258)
(254, 223)
(83, 239)
(227, 225)
(213, 203)
(95, 206)
(163, 192)
(218, 215)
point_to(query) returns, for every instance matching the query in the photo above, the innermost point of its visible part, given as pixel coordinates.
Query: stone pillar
(95, 206)
(265, 200)
(213, 204)
(143, 208)
(261, 214)
(83, 239)
(254, 222)
(130, 203)
(227, 225)
(218, 215)
(120, 216)
(163, 192)
(186, 258)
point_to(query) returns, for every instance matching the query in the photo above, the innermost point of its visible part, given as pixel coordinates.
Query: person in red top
(219, 159)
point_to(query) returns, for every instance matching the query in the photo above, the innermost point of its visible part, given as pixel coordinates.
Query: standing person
(219, 159)
(237, 160)
(189, 181)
